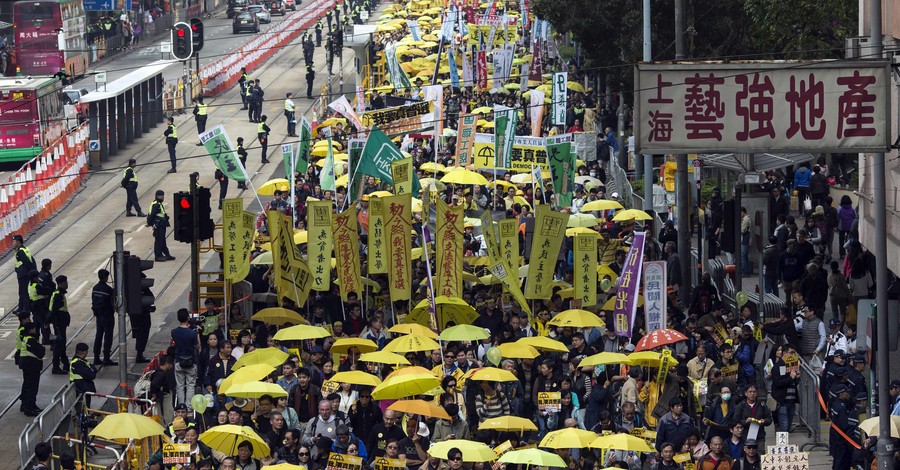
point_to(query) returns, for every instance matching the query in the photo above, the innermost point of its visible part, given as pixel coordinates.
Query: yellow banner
(384, 463)
(586, 269)
(377, 257)
(490, 240)
(319, 244)
(448, 244)
(508, 234)
(511, 282)
(292, 279)
(549, 231)
(238, 238)
(346, 250)
(402, 172)
(479, 34)
(338, 461)
(397, 229)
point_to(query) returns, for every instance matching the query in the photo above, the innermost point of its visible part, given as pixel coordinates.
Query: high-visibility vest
(249, 90)
(24, 352)
(32, 292)
(27, 252)
(162, 209)
(201, 109)
(65, 303)
(174, 130)
(289, 105)
(72, 375)
(133, 175)
(260, 128)
(20, 345)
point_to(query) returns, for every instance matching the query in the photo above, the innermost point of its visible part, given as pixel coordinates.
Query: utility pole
(648, 158)
(120, 309)
(681, 181)
(195, 251)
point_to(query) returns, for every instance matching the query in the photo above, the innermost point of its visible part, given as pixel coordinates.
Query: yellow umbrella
(411, 370)
(432, 184)
(341, 182)
(419, 407)
(471, 451)
(356, 377)
(621, 441)
(533, 457)
(649, 359)
(271, 357)
(605, 358)
(483, 110)
(631, 214)
(411, 343)
(567, 438)
(584, 179)
(247, 373)
(226, 437)
(528, 178)
(335, 145)
(342, 345)
(448, 309)
(504, 185)
(464, 333)
(384, 357)
(581, 220)
(301, 332)
(319, 152)
(413, 329)
(577, 318)
(574, 86)
(543, 343)
(333, 121)
(373, 285)
(491, 374)
(507, 423)
(268, 188)
(408, 67)
(278, 316)
(872, 426)
(518, 351)
(464, 176)
(568, 293)
(487, 124)
(512, 86)
(431, 166)
(611, 303)
(601, 205)
(381, 194)
(255, 389)
(385, 88)
(571, 232)
(402, 386)
(127, 426)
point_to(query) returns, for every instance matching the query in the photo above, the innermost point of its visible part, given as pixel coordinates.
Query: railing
(808, 407)
(64, 441)
(61, 405)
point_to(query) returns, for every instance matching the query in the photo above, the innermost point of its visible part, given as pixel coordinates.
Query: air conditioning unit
(856, 47)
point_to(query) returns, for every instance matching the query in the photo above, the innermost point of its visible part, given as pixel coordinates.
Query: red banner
(481, 65)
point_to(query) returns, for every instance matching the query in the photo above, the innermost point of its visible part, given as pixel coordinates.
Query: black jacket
(103, 299)
(88, 373)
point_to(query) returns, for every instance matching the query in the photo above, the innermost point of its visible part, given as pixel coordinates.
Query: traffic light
(182, 43)
(207, 226)
(184, 217)
(138, 297)
(197, 34)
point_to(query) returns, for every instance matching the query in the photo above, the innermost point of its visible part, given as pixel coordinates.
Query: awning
(761, 161)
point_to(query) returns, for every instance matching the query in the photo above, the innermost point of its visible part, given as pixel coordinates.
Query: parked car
(245, 21)
(291, 4)
(235, 6)
(262, 13)
(277, 7)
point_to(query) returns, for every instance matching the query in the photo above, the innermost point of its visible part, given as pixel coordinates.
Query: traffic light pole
(120, 309)
(195, 251)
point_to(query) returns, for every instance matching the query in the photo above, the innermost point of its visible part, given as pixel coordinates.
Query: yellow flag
(448, 245)
(397, 229)
(490, 237)
(292, 279)
(377, 250)
(319, 244)
(549, 231)
(402, 173)
(508, 231)
(586, 269)
(237, 239)
(346, 250)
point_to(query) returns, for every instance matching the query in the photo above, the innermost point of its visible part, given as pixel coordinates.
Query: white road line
(102, 265)
(140, 227)
(128, 240)
(11, 355)
(80, 286)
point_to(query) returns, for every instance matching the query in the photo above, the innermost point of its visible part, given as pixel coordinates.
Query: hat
(834, 322)
(858, 357)
(615, 195)
(81, 347)
(750, 443)
(180, 406)
(629, 347)
(860, 396)
(895, 383)
(18, 238)
(469, 225)
(365, 197)
(423, 430)
(839, 388)
(316, 349)
(324, 442)
(178, 424)
(820, 210)
(841, 370)
(840, 352)
(736, 330)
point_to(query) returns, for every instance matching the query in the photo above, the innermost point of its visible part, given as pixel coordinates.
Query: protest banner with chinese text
(401, 119)
(219, 147)
(585, 269)
(549, 233)
(301, 163)
(402, 174)
(481, 69)
(384, 463)
(449, 250)
(549, 402)
(655, 300)
(319, 243)
(238, 226)
(377, 251)
(504, 135)
(397, 229)
(287, 158)
(465, 140)
(627, 287)
(508, 237)
(344, 108)
(510, 281)
(346, 250)
(562, 168)
(527, 153)
(560, 83)
(398, 76)
(338, 461)
(292, 279)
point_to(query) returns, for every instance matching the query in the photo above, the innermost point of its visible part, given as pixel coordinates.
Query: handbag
(807, 204)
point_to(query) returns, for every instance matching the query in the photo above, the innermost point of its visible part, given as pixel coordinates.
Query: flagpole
(293, 183)
(432, 308)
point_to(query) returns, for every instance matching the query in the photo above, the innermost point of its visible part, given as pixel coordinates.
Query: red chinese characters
(660, 122)
(856, 107)
(755, 105)
(807, 103)
(703, 107)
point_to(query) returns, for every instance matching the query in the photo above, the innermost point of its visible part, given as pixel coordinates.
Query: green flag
(377, 156)
(398, 76)
(287, 157)
(218, 146)
(562, 167)
(327, 179)
(354, 153)
(504, 135)
(302, 157)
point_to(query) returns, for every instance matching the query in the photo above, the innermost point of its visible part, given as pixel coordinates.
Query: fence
(46, 424)
(808, 408)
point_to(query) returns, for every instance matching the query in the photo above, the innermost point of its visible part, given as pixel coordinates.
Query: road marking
(128, 240)
(102, 265)
(80, 286)
(140, 227)
(12, 353)
(5, 334)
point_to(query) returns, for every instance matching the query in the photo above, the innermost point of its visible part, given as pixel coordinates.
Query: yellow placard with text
(292, 277)
(549, 401)
(508, 236)
(549, 232)
(402, 172)
(585, 281)
(237, 240)
(338, 461)
(346, 250)
(319, 244)
(377, 251)
(449, 250)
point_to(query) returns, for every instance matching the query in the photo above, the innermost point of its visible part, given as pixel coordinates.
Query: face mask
(726, 396)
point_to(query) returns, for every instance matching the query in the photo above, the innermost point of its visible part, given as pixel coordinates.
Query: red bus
(32, 116)
(50, 36)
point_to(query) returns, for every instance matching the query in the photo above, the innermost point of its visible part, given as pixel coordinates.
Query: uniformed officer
(159, 220)
(60, 319)
(262, 133)
(242, 156)
(200, 110)
(130, 183)
(839, 412)
(244, 82)
(310, 78)
(289, 113)
(24, 265)
(319, 33)
(856, 380)
(24, 317)
(103, 306)
(836, 339)
(171, 134)
(257, 96)
(39, 295)
(82, 373)
(45, 277)
(858, 414)
(31, 362)
(223, 185)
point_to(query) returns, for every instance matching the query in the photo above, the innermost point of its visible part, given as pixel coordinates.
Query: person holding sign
(785, 383)
(754, 414)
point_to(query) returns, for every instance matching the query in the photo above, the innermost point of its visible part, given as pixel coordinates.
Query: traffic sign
(107, 5)
(94, 145)
(165, 47)
(698, 163)
(100, 77)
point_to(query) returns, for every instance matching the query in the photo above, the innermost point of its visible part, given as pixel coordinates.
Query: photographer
(187, 344)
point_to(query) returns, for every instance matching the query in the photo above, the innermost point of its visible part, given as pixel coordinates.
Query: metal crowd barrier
(78, 448)
(46, 424)
(808, 409)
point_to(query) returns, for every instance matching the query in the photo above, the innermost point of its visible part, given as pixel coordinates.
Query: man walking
(187, 344)
(60, 319)
(24, 265)
(130, 183)
(262, 134)
(104, 307)
(289, 113)
(159, 220)
(171, 134)
(200, 110)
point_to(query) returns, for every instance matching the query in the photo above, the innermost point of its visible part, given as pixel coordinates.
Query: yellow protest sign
(527, 152)
(549, 401)
(338, 461)
(176, 454)
(377, 252)
(292, 279)
(479, 34)
(401, 119)
(682, 458)
(402, 172)
(319, 244)
(237, 239)
(511, 283)
(499, 450)
(346, 250)
(586, 269)
(549, 231)
(489, 236)
(329, 387)
(508, 234)
(449, 250)
(397, 228)
(664, 364)
(384, 463)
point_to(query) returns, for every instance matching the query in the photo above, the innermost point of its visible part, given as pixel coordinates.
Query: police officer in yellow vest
(39, 294)
(319, 33)
(171, 134)
(290, 115)
(60, 319)
(130, 183)
(200, 110)
(159, 220)
(24, 318)
(31, 361)
(82, 373)
(24, 265)
(262, 132)
(244, 82)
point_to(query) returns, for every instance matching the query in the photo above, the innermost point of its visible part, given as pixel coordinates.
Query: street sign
(100, 77)
(94, 145)
(165, 47)
(698, 163)
(107, 5)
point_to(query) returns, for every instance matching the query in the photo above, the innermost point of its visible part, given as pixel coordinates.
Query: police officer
(200, 110)
(171, 134)
(289, 113)
(839, 412)
(248, 97)
(31, 362)
(262, 133)
(244, 82)
(45, 277)
(319, 33)
(328, 19)
(39, 294)
(159, 220)
(310, 78)
(60, 319)
(223, 185)
(24, 317)
(24, 265)
(82, 373)
(257, 96)
(103, 306)
(855, 378)
(130, 183)
(140, 326)
(242, 156)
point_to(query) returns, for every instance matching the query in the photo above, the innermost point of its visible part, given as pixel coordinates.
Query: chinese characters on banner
(435, 95)
(217, 145)
(489, 236)
(402, 172)
(718, 108)
(511, 282)
(586, 269)
(655, 295)
(549, 232)
(346, 250)
(292, 279)
(384, 463)
(176, 454)
(319, 244)
(527, 153)
(287, 159)
(508, 236)
(465, 142)
(237, 239)
(504, 135)
(560, 80)
(548, 402)
(481, 69)
(397, 229)
(798, 460)
(536, 109)
(627, 287)
(449, 250)
(562, 168)
(401, 119)
(338, 461)
(490, 33)
(377, 252)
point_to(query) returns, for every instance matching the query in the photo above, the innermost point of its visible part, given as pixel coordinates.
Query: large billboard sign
(823, 106)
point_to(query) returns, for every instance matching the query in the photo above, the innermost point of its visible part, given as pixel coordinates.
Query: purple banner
(627, 287)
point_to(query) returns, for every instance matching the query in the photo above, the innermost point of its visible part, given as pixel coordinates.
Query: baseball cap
(895, 383)
(629, 347)
(840, 352)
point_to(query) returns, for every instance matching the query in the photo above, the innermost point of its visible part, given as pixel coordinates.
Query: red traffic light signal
(182, 45)
(185, 203)
(180, 33)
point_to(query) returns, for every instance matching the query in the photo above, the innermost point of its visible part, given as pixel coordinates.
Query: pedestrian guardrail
(46, 423)
(81, 447)
(808, 408)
